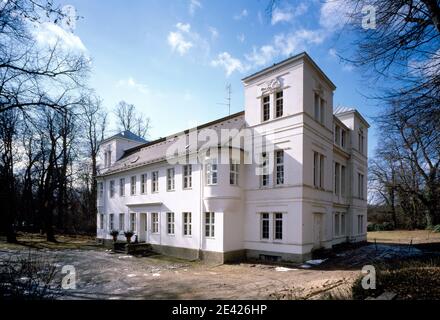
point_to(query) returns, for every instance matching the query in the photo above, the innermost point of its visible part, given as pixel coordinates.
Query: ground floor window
(274, 219)
(360, 224)
(121, 222)
(278, 218)
(187, 224)
(339, 224)
(170, 222)
(111, 221)
(210, 224)
(101, 221)
(155, 222)
(132, 222)
(265, 226)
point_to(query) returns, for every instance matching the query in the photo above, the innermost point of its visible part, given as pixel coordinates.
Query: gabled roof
(302, 55)
(126, 135)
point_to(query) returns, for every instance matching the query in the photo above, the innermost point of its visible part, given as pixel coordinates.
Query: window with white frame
(210, 224)
(211, 168)
(101, 221)
(107, 159)
(122, 187)
(266, 108)
(132, 222)
(122, 221)
(318, 170)
(100, 190)
(155, 222)
(265, 226)
(343, 180)
(278, 225)
(133, 185)
(111, 221)
(360, 186)
(279, 104)
(233, 172)
(337, 178)
(155, 181)
(187, 221)
(143, 183)
(112, 188)
(264, 177)
(170, 223)
(279, 163)
(360, 224)
(187, 176)
(170, 179)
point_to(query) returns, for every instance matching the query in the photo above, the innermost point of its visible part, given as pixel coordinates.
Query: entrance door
(317, 230)
(142, 227)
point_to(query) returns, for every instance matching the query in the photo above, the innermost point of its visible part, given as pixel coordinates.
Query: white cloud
(262, 55)
(243, 14)
(50, 34)
(184, 27)
(333, 53)
(229, 63)
(183, 39)
(287, 14)
(334, 14)
(193, 6)
(241, 37)
(178, 43)
(131, 83)
(214, 32)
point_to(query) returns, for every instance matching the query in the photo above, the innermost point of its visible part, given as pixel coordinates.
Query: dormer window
(266, 108)
(107, 158)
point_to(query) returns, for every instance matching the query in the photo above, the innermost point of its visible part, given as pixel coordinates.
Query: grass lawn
(404, 236)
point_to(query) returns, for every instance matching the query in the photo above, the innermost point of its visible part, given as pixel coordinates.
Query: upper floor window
(100, 190)
(211, 172)
(360, 186)
(187, 224)
(143, 183)
(233, 172)
(170, 179)
(122, 187)
(337, 178)
(266, 108)
(343, 138)
(318, 170)
(319, 107)
(279, 162)
(343, 181)
(112, 188)
(187, 176)
(133, 185)
(264, 178)
(155, 181)
(170, 223)
(279, 104)
(337, 134)
(361, 140)
(210, 224)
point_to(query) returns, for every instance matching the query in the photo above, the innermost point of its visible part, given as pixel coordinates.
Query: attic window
(135, 159)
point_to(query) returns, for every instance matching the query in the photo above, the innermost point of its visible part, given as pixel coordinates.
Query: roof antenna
(228, 98)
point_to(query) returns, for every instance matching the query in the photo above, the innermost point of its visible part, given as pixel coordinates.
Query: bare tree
(130, 119)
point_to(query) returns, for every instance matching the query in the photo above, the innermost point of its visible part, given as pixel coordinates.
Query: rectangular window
(112, 188)
(132, 222)
(133, 185)
(337, 178)
(343, 138)
(143, 183)
(107, 159)
(111, 221)
(121, 221)
(278, 223)
(361, 141)
(360, 186)
(319, 109)
(155, 222)
(316, 108)
(170, 223)
(342, 224)
(170, 179)
(266, 108)
(187, 176)
(343, 181)
(360, 224)
(337, 135)
(264, 180)
(322, 111)
(210, 224)
(122, 187)
(101, 221)
(100, 190)
(265, 226)
(279, 162)
(279, 104)
(155, 181)
(187, 220)
(318, 170)
(211, 172)
(233, 172)
(336, 225)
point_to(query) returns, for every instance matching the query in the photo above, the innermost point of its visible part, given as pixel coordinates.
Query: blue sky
(172, 59)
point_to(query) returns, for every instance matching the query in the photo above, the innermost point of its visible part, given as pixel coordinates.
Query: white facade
(314, 195)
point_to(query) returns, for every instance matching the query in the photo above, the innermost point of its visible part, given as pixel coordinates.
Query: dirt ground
(101, 274)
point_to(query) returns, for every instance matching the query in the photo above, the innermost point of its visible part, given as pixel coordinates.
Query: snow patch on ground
(283, 269)
(315, 262)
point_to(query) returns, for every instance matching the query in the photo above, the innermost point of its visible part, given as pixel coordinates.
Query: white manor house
(301, 186)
